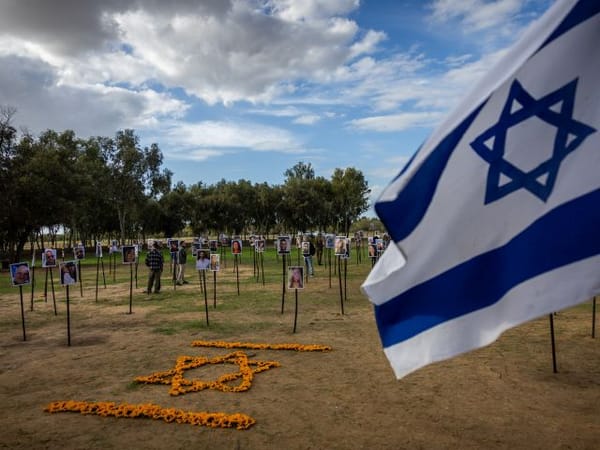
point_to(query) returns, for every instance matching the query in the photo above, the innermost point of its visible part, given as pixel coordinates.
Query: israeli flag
(496, 218)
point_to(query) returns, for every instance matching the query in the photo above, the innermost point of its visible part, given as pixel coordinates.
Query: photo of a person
(79, 252)
(114, 246)
(202, 259)
(283, 245)
(329, 241)
(236, 246)
(213, 245)
(129, 254)
(173, 245)
(372, 251)
(340, 246)
(19, 274)
(49, 257)
(295, 277)
(68, 273)
(259, 245)
(98, 249)
(305, 248)
(214, 262)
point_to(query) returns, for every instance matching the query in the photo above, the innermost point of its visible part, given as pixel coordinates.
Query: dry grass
(502, 396)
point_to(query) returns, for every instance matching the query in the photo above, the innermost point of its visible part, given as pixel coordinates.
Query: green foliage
(109, 187)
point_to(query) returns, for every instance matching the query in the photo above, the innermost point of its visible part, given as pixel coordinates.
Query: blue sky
(246, 89)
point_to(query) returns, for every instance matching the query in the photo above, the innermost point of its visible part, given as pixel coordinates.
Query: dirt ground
(499, 397)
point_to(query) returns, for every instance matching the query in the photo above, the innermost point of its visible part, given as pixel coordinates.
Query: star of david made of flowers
(555, 109)
(180, 385)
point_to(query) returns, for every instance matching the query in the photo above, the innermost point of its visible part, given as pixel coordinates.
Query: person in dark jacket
(154, 262)
(308, 250)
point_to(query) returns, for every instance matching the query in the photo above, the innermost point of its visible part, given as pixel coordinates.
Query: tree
(135, 175)
(300, 171)
(350, 190)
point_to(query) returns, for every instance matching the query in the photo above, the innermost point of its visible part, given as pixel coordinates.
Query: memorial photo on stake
(49, 257)
(306, 248)
(68, 273)
(173, 245)
(213, 245)
(214, 262)
(372, 251)
(295, 277)
(329, 241)
(98, 249)
(283, 245)
(340, 246)
(202, 259)
(79, 252)
(259, 245)
(129, 254)
(236, 246)
(19, 274)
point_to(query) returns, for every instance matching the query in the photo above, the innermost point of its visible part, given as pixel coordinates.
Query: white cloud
(37, 93)
(397, 122)
(308, 119)
(476, 15)
(201, 154)
(212, 138)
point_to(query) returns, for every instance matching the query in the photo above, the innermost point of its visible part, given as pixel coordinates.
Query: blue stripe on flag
(581, 12)
(413, 201)
(486, 278)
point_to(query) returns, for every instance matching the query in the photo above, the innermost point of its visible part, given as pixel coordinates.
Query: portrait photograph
(329, 241)
(283, 245)
(236, 246)
(296, 277)
(49, 257)
(79, 252)
(340, 246)
(213, 245)
(68, 273)
(306, 248)
(259, 245)
(215, 262)
(202, 259)
(19, 274)
(129, 254)
(98, 249)
(173, 245)
(372, 251)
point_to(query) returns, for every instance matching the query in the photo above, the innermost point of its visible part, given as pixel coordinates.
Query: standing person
(309, 254)
(154, 262)
(320, 246)
(181, 261)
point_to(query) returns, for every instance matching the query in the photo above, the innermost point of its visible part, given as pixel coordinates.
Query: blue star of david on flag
(556, 109)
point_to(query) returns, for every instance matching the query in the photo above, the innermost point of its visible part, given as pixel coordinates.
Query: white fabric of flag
(496, 218)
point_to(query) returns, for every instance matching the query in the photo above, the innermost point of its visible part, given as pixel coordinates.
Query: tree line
(111, 187)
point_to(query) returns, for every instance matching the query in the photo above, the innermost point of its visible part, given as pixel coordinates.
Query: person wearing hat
(154, 262)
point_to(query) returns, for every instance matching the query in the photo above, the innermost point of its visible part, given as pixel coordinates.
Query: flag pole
(551, 315)
(594, 317)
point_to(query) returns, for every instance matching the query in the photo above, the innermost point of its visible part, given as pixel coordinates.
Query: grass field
(501, 396)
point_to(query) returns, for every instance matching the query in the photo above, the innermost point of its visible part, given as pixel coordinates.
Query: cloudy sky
(247, 88)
